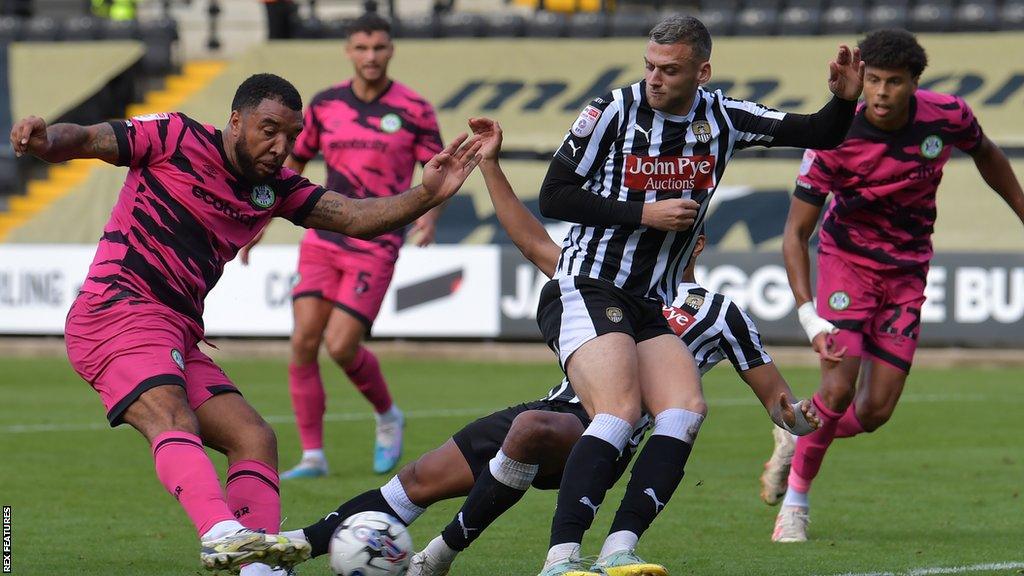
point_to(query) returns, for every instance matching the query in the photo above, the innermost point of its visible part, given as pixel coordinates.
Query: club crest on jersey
(262, 196)
(701, 131)
(178, 359)
(839, 301)
(614, 314)
(931, 147)
(390, 123)
(585, 123)
(694, 301)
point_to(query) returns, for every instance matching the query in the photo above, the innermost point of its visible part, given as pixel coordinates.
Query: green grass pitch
(938, 487)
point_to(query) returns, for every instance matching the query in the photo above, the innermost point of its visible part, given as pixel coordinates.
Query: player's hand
(805, 406)
(489, 133)
(672, 215)
(445, 173)
(243, 254)
(29, 136)
(818, 330)
(846, 74)
(826, 349)
(424, 229)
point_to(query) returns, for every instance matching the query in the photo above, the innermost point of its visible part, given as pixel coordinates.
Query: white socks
(562, 552)
(617, 542)
(314, 454)
(794, 498)
(439, 551)
(392, 415)
(295, 535)
(512, 473)
(221, 529)
(611, 429)
(394, 494)
(679, 424)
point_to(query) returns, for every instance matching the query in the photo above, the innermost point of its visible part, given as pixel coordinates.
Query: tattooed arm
(62, 142)
(369, 217)
(443, 175)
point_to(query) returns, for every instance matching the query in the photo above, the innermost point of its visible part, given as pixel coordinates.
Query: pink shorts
(878, 312)
(354, 282)
(126, 348)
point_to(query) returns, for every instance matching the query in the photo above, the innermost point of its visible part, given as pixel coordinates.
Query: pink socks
(253, 495)
(310, 403)
(187, 473)
(364, 371)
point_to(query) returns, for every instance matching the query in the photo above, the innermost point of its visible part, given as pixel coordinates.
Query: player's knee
(836, 396)
(874, 417)
(305, 347)
(534, 432)
(262, 435)
(696, 405)
(412, 477)
(342, 351)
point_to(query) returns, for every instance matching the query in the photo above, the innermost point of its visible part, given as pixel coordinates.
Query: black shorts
(480, 440)
(573, 311)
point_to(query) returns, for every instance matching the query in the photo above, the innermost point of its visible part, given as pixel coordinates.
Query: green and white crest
(262, 196)
(390, 123)
(178, 359)
(839, 300)
(931, 147)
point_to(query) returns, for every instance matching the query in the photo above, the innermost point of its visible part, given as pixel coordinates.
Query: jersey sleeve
(814, 181)
(591, 136)
(968, 134)
(740, 340)
(299, 196)
(428, 136)
(307, 145)
(146, 140)
(755, 124)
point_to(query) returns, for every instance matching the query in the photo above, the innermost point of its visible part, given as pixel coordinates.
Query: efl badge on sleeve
(584, 125)
(807, 162)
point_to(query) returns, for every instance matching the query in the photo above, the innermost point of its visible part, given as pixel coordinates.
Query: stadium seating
(1011, 17)
(634, 18)
(976, 16)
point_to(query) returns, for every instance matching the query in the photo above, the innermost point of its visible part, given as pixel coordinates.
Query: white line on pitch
(943, 570)
(451, 413)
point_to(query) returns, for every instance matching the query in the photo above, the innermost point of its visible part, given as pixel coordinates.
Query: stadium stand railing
(579, 19)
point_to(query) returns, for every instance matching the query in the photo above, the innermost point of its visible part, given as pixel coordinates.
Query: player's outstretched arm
(767, 383)
(62, 142)
(523, 228)
(443, 175)
(562, 197)
(800, 224)
(827, 128)
(995, 168)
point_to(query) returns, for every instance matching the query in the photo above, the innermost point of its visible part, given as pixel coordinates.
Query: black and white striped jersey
(711, 325)
(629, 151)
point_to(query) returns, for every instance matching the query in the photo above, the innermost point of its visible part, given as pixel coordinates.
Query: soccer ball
(370, 544)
